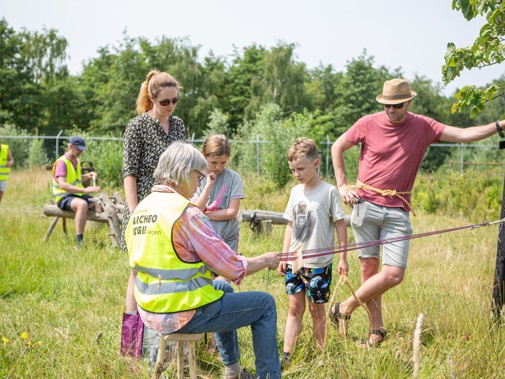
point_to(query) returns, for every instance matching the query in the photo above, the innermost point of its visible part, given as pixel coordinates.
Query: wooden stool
(180, 339)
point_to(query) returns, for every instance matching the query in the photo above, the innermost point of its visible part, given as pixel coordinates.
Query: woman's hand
(273, 260)
(268, 260)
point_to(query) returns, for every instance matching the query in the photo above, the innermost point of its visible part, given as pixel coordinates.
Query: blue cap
(79, 143)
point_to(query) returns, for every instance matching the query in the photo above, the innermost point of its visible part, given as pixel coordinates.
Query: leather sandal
(368, 344)
(339, 319)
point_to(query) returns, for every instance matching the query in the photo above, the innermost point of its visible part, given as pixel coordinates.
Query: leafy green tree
(44, 53)
(283, 79)
(357, 89)
(89, 83)
(32, 64)
(218, 124)
(207, 95)
(237, 82)
(20, 97)
(488, 49)
(321, 88)
(116, 93)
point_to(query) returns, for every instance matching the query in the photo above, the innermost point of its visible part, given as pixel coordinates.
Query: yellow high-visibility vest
(165, 283)
(4, 157)
(73, 177)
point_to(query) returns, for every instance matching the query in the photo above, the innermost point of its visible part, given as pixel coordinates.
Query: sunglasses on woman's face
(395, 106)
(166, 102)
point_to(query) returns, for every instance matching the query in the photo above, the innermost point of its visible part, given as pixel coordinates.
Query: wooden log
(258, 215)
(53, 210)
(275, 217)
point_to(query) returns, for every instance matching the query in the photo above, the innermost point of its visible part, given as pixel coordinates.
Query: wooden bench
(111, 214)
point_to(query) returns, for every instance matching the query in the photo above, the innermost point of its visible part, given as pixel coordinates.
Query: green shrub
(107, 158)
(280, 134)
(18, 146)
(475, 195)
(37, 155)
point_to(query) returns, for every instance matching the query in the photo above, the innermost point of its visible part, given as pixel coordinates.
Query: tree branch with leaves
(488, 49)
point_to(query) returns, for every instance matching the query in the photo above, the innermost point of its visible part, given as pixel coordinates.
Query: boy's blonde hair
(303, 146)
(216, 145)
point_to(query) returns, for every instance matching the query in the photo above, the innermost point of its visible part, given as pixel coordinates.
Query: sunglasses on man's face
(167, 102)
(395, 106)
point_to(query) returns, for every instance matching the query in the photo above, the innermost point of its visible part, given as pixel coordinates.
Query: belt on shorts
(387, 192)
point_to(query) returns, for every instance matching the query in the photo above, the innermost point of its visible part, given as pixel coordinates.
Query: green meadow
(61, 308)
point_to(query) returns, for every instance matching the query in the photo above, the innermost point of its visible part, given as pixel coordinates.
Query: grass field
(61, 308)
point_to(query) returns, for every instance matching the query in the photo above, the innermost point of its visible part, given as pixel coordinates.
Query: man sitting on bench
(68, 190)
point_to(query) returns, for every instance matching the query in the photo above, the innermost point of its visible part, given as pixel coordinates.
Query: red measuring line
(312, 253)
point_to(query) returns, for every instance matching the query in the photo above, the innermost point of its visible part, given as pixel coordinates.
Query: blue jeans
(236, 310)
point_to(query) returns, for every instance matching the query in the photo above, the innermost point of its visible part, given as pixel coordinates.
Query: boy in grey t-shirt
(313, 212)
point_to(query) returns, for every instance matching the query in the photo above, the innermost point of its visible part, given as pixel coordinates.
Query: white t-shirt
(314, 213)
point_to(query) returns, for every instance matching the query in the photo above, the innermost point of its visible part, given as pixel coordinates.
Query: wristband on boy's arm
(499, 129)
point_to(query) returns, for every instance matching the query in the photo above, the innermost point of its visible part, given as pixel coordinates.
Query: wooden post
(113, 219)
(499, 276)
(51, 228)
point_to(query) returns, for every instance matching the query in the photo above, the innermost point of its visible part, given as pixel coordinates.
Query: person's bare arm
(337, 156)
(202, 200)
(268, 260)
(130, 190)
(10, 159)
(285, 247)
(227, 213)
(341, 229)
(471, 134)
(73, 189)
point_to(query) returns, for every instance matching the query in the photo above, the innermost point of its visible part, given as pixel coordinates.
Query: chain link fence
(59, 146)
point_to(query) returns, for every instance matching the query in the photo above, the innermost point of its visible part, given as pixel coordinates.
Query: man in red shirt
(393, 143)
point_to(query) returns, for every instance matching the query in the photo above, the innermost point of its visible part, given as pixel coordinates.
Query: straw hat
(395, 91)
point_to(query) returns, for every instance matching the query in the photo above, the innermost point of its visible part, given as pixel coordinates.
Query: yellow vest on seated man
(164, 283)
(73, 177)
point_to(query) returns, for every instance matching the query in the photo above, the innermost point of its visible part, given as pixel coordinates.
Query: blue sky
(411, 34)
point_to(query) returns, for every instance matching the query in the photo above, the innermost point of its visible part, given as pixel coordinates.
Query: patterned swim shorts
(315, 281)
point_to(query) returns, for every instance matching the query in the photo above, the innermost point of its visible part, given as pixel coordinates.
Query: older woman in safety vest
(174, 248)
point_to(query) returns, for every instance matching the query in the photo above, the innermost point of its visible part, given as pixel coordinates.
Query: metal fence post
(258, 154)
(462, 162)
(327, 155)
(58, 145)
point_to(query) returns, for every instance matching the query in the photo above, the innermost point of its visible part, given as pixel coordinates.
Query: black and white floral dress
(144, 141)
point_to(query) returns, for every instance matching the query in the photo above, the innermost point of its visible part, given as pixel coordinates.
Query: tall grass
(72, 301)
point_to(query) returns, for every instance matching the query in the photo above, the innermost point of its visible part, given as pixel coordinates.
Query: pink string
(313, 253)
